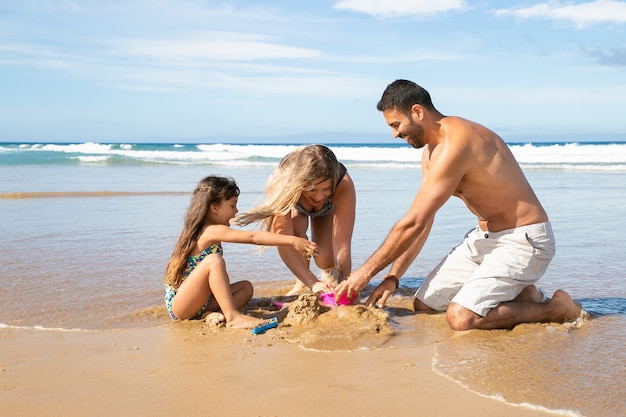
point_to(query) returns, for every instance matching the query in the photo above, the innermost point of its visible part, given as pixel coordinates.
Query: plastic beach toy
(269, 325)
(328, 299)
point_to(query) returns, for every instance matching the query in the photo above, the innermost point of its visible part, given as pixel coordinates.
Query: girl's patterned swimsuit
(192, 262)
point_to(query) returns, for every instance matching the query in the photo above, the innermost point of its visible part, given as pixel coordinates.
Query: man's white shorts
(489, 268)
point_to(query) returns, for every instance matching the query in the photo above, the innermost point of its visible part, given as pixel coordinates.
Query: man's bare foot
(565, 309)
(241, 321)
(530, 294)
(215, 319)
(298, 287)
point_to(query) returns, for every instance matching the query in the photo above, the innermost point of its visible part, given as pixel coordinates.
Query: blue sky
(195, 71)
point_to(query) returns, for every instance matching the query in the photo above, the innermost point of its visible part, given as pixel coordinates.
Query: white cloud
(214, 48)
(40, 56)
(397, 8)
(204, 61)
(582, 14)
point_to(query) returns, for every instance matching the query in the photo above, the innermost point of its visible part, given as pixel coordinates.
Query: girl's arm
(220, 233)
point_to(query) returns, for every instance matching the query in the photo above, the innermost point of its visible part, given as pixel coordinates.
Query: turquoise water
(74, 257)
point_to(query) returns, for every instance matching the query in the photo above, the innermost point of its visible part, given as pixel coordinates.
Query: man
(487, 282)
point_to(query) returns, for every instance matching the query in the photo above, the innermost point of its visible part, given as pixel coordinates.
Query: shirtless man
(487, 282)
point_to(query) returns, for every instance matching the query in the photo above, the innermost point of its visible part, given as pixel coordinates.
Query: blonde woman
(310, 187)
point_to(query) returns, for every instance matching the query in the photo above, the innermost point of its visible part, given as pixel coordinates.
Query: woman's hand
(321, 287)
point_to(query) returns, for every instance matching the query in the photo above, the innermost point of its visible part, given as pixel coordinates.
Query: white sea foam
(609, 157)
(87, 147)
(42, 328)
(93, 159)
(497, 397)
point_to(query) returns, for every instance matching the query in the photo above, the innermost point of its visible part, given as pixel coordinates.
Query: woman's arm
(296, 263)
(344, 200)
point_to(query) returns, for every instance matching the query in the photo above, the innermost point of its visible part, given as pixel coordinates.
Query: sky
(190, 71)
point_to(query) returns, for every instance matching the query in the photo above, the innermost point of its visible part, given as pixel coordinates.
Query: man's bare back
(493, 185)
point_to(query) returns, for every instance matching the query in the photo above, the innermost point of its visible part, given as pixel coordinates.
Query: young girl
(196, 278)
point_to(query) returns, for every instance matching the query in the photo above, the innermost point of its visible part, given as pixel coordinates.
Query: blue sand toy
(262, 328)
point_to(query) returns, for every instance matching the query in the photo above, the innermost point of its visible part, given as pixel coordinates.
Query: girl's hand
(305, 247)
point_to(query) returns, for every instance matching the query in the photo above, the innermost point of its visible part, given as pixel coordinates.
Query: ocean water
(87, 230)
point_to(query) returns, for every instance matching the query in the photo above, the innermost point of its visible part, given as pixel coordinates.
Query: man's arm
(446, 167)
(398, 268)
(404, 235)
(402, 263)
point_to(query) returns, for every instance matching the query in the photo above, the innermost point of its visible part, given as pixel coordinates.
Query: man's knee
(460, 318)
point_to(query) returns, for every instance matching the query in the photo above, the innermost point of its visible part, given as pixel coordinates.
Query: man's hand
(352, 285)
(381, 293)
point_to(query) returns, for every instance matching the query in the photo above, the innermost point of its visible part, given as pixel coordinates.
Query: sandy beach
(84, 331)
(177, 370)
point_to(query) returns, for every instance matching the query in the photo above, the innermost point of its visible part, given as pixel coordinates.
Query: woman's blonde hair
(296, 172)
(211, 190)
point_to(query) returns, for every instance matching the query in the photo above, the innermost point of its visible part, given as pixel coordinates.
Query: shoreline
(82, 194)
(94, 263)
(177, 369)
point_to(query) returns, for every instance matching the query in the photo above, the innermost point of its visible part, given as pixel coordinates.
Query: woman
(310, 186)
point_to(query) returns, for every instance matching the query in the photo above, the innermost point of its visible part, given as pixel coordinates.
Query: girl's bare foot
(241, 321)
(565, 309)
(215, 319)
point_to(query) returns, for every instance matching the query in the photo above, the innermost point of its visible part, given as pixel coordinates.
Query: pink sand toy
(328, 299)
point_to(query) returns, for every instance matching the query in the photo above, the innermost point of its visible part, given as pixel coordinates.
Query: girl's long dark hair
(211, 190)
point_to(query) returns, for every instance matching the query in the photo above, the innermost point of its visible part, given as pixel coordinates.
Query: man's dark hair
(402, 95)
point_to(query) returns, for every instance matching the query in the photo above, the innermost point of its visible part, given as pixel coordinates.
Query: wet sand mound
(316, 327)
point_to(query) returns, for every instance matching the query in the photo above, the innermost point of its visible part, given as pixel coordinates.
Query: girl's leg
(230, 298)
(242, 293)
(193, 292)
(210, 278)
